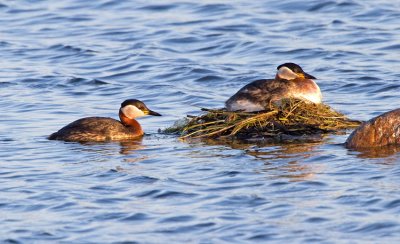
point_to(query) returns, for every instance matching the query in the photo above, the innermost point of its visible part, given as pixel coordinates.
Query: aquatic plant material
(290, 117)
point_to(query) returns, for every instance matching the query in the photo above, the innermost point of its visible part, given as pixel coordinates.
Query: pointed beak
(150, 112)
(308, 76)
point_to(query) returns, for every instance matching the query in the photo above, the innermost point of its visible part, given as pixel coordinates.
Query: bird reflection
(380, 152)
(126, 147)
(129, 147)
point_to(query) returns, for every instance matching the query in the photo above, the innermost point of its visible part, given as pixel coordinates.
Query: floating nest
(290, 118)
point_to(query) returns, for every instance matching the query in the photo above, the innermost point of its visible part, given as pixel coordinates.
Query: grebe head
(133, 108)
(291, 71)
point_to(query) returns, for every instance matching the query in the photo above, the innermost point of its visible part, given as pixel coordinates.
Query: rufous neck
(130, 122)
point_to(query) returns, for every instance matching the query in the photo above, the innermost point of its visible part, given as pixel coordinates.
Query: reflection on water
(290, 158)
(286, 158)
(129, 147)
(108, 147)
(126, 148)
(379, 152)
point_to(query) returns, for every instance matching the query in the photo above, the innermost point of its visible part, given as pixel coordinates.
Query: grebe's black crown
(137, 103)
(292, 66)
(140, 105)
(296, 69)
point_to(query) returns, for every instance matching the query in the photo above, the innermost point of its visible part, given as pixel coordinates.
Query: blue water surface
(63, 60)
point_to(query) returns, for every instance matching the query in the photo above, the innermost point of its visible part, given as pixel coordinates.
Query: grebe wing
(94, 124)
(262, 89)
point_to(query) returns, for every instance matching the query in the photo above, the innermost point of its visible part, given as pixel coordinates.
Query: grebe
(383, 130)
(106, 129)
(290, 82)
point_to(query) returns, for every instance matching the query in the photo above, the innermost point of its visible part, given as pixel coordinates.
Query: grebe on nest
(106, 129)
(290, 82)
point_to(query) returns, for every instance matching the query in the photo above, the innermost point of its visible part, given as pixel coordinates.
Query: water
(63, 60)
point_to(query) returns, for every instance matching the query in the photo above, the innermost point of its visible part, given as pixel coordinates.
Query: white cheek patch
(286, 73)
(132, 111)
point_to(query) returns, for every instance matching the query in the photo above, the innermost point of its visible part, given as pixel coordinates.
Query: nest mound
(291, 117)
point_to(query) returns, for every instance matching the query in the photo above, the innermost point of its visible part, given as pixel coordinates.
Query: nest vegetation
(289, 117)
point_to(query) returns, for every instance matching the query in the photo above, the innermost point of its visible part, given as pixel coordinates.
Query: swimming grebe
(290, 82)
(106, 129)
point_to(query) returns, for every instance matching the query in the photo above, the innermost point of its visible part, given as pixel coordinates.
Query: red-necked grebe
(380, 131)
(106, 129)
(290, 82)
